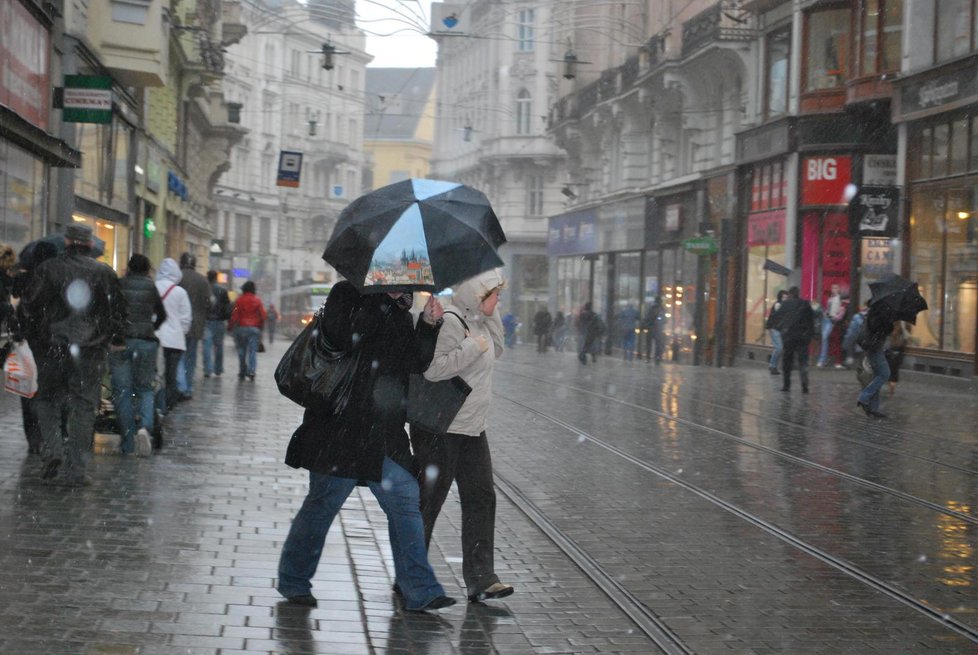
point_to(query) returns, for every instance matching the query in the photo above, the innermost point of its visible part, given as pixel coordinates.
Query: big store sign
(824, 180)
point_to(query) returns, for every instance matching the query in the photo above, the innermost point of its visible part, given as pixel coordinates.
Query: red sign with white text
(24, 47)
(766, 228)
(824, 179)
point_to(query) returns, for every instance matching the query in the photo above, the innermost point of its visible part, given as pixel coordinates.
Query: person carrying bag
(467, 348)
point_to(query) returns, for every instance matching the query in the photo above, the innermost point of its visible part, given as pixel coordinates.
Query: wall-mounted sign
(700, 245)
(87, 99)
(766, 228)
(176, 186)
(930, 93)
(874, 211)
(24, 47)
(880, 170)
(575, 233)
(824, 179)
(289, 168)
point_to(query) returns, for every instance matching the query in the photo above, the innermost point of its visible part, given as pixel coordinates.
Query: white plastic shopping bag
(20, 371)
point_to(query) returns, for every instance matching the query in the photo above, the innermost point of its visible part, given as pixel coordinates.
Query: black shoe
(251, 376)
(804, 389)
(184, 397)
(786, 389)
(492, 592)
(305, 600)
(863, 406)
(50, 470)
(436, 603)
(397, 590)
(775, 371)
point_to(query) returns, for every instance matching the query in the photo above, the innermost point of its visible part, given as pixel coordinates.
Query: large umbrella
(424, 235)
(26, 258)
(898, 294)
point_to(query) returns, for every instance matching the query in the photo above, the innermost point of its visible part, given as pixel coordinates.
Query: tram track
(875, 486)
(632, 606)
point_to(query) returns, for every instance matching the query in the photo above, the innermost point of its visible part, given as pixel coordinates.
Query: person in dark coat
(588, 329)
(652, 328)
(74, 310)
(365, 441)
(217, 315)
(133, 369)
(796, 322)
(199, 291)
(873, 339)
(542, 321)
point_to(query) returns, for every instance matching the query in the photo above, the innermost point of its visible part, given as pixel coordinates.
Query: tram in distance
(298, 304)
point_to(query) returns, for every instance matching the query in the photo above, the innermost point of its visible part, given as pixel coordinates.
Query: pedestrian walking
(542, 322)
(652, 328)
(775, 334)
(873, 336)
(217, 316)
(75, 311)
(833, 311)
(588, 331)
(8, 269)
(246, 322)
(469, 342)
(896, 350)
(199, 292)
(627, 324)
(365, 440)
(133, 369)
(172, 333)
(796, 322)
(559, 331)
(272, 321)
(509, 329)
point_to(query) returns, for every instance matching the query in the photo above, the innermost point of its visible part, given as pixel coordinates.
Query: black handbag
(432, 406)
(316, 374)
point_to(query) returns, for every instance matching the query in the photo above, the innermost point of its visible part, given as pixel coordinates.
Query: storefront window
(943, 262)
(882, 32)
(765, 247)
(778, 52)
(955, 28)
(21, 191)
(115, 237)
(573, 284)
(828, 49)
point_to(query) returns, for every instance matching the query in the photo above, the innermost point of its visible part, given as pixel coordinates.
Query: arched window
(524, 106)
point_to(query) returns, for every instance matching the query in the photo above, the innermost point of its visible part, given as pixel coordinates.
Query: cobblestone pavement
(740, 519)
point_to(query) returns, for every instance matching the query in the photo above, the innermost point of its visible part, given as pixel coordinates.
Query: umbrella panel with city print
(424, 235)
(900, 295)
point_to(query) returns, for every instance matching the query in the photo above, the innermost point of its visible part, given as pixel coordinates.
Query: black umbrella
(899, 295)
(424, 235)
(26, 258)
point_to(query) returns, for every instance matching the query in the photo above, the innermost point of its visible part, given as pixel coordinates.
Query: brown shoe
(492, 592)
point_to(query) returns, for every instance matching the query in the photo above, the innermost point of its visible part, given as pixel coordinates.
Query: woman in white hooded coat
(467, 348)
(173, 333)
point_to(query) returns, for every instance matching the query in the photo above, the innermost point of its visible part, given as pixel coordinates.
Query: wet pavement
(641, 509)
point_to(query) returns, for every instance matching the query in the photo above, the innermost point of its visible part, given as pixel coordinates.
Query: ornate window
(524, 30)
(881, 34)
(827, 49)
(524, 106)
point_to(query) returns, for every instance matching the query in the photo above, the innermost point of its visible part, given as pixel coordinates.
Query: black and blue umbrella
(57, 242)
(423, 235)
(898, 295)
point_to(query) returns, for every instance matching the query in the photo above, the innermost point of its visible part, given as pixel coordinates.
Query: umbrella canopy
(899, 295)
(424, 235)
(26, 258)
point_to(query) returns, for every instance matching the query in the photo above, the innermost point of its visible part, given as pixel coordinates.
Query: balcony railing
(712, 25)
(629, 72)
(608, 84)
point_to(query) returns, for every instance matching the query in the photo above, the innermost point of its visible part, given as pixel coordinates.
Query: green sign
(87, 99)
(700, 245)
(149, 227)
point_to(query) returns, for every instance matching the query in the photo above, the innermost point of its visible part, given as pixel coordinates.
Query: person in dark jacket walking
(199, 292)
(542, 322)
(365, 441)
(652, 327)
(796, 322)
(872, 339)
(74, 310)
(775, 334)
(219, 312)
(588, 330)
(133, 370)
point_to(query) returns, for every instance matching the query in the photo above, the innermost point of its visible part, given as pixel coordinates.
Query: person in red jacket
(246, 322)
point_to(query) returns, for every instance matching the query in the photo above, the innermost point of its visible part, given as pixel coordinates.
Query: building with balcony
(493, 97)
(290, 98)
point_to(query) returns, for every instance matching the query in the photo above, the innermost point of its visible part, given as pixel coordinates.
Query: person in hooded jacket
(469, 342)
(172, 334)
(365, 441)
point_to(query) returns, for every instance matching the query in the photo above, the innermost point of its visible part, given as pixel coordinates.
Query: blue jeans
(870, 395)
(246, 340)
(823, 354)
(133, 372)
(188, 363)
(778, 347)
(628, 345)
(398, 496)
(214, 347)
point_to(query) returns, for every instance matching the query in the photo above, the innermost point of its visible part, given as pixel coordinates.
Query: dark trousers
(171, 362)
(542, 340)
(31, 429)
(465, 460)
(653, 336)
(794, 350)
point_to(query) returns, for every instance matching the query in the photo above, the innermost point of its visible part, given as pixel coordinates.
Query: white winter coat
(173, 332)
(458, 354)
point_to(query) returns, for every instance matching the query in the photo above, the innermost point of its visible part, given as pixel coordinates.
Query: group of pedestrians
(365, 439)
(84, 324)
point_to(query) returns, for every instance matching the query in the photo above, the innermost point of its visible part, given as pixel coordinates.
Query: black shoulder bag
(432, 406)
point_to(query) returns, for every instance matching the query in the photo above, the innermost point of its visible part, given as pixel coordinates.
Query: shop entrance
(826, 254)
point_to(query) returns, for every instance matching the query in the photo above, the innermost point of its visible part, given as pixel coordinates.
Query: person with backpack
(217, 316)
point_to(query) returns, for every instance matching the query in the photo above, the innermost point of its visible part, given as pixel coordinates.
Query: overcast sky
(409, 47)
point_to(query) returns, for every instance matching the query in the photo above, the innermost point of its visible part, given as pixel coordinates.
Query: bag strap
(460, 320)
(167, 292)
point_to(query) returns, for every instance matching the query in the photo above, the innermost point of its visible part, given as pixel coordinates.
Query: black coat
(795, 319)
(353, 443)
(146, 311)
(876, 328)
